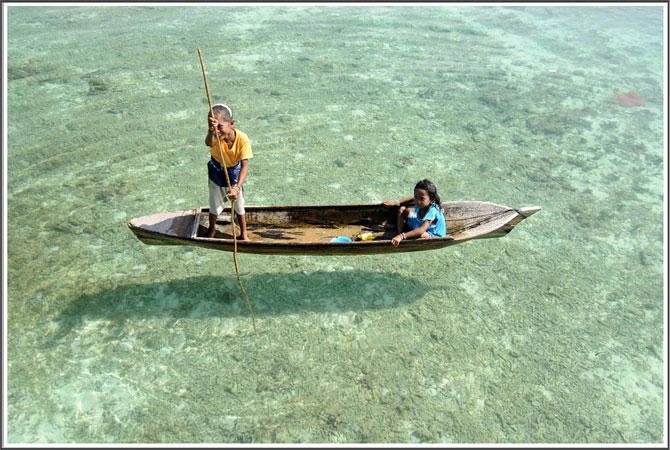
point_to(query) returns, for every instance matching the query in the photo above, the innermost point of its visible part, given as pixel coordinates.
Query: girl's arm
(391, 203)
(417, 232)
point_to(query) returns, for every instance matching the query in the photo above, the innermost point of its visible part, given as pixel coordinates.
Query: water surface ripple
(553, 334)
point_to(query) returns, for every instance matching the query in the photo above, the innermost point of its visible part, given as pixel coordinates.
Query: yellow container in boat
(367, 236)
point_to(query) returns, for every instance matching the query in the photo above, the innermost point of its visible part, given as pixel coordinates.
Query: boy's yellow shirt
(240, 150)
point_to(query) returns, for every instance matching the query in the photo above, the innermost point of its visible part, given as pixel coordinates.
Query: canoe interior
(319, 224)
(304, 224)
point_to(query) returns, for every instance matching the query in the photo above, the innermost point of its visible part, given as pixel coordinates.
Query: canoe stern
(166, 228)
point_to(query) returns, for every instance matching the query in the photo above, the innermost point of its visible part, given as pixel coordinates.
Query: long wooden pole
(232, 208)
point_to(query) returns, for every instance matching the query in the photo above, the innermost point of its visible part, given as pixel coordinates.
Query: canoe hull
(263, 248)
(307, 230)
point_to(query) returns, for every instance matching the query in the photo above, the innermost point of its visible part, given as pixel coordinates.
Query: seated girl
(425, 220)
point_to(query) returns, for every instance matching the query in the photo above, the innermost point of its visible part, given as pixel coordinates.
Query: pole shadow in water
(271, 295)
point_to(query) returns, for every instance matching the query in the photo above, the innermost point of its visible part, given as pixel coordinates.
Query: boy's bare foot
(210, 233)
(244, 237)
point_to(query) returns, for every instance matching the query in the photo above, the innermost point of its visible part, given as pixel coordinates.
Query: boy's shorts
(217, 198)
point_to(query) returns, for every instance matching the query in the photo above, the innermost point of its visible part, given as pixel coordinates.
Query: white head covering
(230, 111)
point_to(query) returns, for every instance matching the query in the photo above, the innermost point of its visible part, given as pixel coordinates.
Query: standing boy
(236, 154)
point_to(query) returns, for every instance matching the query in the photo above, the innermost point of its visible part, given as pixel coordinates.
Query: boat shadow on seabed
(211, 296)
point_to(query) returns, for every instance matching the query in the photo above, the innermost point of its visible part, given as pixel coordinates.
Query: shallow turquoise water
(551, 334)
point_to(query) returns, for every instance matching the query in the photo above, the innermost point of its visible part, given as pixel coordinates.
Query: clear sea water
(552, 334)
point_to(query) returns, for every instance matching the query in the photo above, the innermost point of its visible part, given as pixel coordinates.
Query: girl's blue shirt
(437, 228)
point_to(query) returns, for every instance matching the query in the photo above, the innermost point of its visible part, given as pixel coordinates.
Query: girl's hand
(390, 203)
(396, 240)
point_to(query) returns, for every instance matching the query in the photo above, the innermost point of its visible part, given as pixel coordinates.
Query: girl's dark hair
(431, 189)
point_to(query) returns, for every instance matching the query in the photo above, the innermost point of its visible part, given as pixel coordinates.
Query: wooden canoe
(308, 230)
